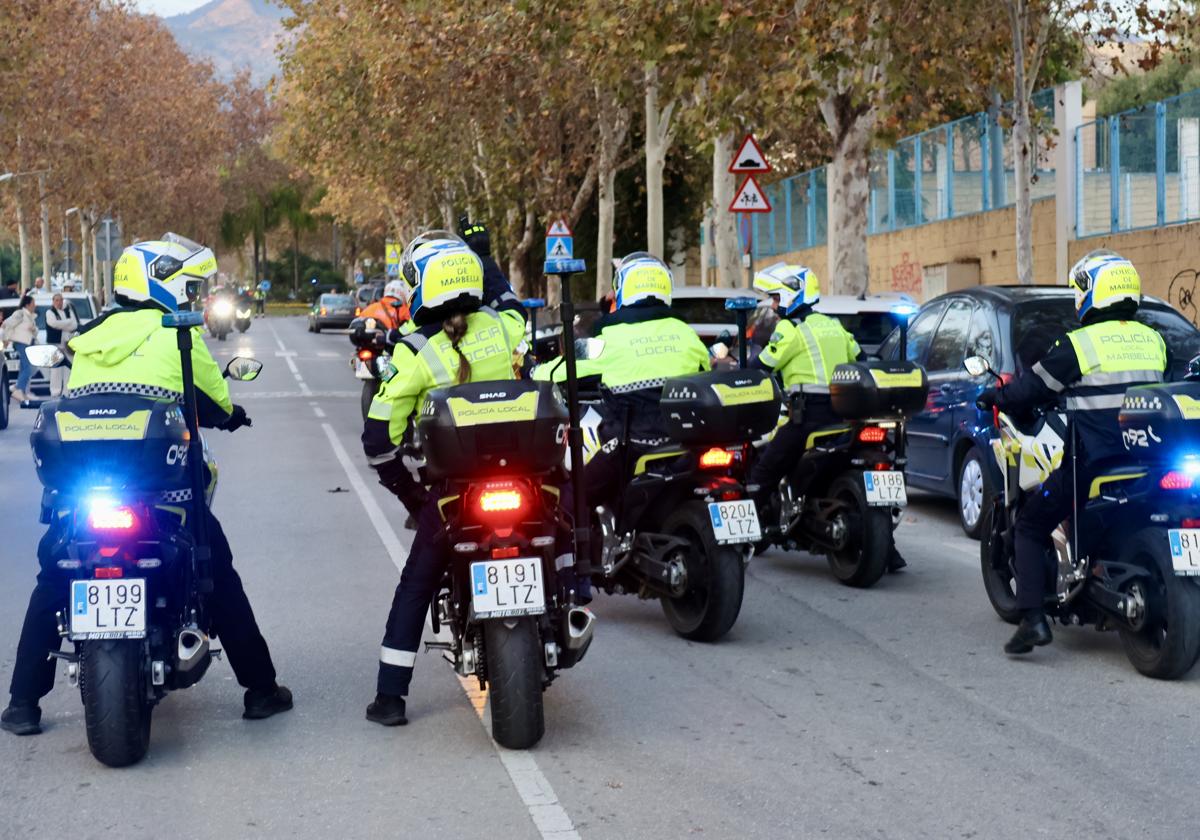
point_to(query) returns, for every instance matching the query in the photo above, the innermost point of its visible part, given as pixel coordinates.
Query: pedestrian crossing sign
(560, 248)
(393, 252)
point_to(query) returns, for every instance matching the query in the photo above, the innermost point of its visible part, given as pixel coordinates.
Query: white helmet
(168, 272)
(396, 289)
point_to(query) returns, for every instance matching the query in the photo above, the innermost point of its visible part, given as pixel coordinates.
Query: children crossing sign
(750, 198)
(560, 244)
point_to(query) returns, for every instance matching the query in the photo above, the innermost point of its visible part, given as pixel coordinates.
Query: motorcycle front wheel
(514, 675)
(1165, 643)
(716, 579)
(115, 708)
(998, 579)
(862, 560)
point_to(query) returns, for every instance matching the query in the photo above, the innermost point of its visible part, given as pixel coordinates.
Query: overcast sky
(169, 7)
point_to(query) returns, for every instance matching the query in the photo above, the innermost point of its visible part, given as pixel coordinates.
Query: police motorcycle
(243, 314)
(219, 315)
(1129, 559)
(371, 360)
(496, 451)
(120, 474)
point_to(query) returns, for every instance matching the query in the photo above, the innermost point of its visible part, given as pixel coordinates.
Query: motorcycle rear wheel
(998, 579)
(716, 579)
(514, 673)
(115, 708)
(1168, 644)
(863, 559)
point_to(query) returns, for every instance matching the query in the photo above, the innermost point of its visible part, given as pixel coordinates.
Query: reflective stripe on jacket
(805, 352)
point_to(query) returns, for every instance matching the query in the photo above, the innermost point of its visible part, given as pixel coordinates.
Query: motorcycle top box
(720, 407)
(111, 440)
(873, 390)
(486, 428)
(1161, 422)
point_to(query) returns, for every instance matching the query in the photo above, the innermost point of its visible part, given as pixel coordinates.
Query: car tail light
(106, 515)
(506, 552)
(716, 459)
(1175, 480)
(109, 572)
(872, 434)
(324, 311)
(366, 355)
(357, 311)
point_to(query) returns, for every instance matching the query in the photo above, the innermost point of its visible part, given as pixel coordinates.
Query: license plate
(507, 587)
(362, 369)
(1185, 550)
(885, 488)
(735, 522)
(108, 609)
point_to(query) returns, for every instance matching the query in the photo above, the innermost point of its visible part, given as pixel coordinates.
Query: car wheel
(973, 492)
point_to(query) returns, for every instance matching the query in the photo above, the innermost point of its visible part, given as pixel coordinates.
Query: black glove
(476, 236)
(236, 420)
(394, 476)
(393, 337)
(987, 400)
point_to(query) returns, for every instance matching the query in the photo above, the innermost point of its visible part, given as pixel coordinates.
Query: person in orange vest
(391, 310)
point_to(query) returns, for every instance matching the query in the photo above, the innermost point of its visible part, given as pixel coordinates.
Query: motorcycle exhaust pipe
(581, 623)
(191, 648)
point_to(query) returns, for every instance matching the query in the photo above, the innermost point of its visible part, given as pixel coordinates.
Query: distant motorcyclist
(458, 340)
(391, 310)
(128, 351)
(802, 351)
(1088, 372)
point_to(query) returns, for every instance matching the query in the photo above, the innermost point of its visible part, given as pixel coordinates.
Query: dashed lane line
(547, 813)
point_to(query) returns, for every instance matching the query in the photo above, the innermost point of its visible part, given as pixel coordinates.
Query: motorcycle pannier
(876, 390)
(720, 407)
(492, 428)
(1161, 422)
(120, 441)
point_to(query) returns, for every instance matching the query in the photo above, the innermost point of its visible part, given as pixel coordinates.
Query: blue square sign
(560, 247)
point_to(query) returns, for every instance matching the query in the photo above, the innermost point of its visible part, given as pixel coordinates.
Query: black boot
(895, 561)
(263, 703)
(22, 718)
(387, 710)
(1033, 631)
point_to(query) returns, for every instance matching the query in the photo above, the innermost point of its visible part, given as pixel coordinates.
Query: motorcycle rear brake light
(872, 434)
(716, 458)
(109, 572)
(882, 465)
(542, 542)
(1190, 523)
(493, 501)
(505, 552)
(104, 515)
(366, 355)
(1175, 480)
(730, 495)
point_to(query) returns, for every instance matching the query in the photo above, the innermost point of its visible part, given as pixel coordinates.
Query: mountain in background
(233, 34)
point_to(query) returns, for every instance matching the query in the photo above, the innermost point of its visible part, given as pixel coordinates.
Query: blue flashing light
(173, 320)
(533, 303)
(1191, 465)
(741, 303)
(904, 310)
(564, 267)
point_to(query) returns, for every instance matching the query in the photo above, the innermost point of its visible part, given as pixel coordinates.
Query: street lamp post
(67, 241)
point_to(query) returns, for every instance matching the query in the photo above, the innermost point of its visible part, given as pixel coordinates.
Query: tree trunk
(517, 276)
(1022, 157)
(849, 185)
(613, 129)
(44, 205)
(85, 250)
(296, 259)
(724, 227)
(257, 266)
(23, 240)
(97, 280)
(658, 141)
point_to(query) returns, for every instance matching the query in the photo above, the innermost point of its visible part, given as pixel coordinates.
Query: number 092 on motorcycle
(502, 588)
(885, 488)
(108, 609)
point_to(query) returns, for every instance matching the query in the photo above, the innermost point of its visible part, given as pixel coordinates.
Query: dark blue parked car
(949, 451)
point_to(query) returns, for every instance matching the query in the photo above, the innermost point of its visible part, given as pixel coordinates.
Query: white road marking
(278, 340)
(317, 410)
(549, 817)
(291, 363)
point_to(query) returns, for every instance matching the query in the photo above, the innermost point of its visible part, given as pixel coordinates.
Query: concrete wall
(1167, 258)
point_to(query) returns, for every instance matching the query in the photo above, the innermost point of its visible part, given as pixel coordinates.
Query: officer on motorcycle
(390, 311)
(1087, 371)
(128, 350)
(458, 340)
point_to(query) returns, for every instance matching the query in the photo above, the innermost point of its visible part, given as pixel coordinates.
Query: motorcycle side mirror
(1193, 370)
(978, 366)
(243, 369)
(44, 355)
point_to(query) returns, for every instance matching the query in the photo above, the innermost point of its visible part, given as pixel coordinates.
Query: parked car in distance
(1013, 326)
(331, 312)
(85, 310)
(869, 318)
(703, 309)
(367, 293)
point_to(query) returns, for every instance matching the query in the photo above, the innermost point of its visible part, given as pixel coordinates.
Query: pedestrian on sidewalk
(21, 329)
(61, 325)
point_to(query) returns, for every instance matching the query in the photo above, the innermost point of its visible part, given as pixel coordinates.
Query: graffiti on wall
(907, 276)
(1182, 293)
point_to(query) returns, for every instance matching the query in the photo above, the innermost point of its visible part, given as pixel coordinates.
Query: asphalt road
(826, 712)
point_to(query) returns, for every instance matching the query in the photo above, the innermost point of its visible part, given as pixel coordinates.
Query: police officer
(1088, 371)
(803, 351)
(127, 350)
(640, 345)
(447, 308)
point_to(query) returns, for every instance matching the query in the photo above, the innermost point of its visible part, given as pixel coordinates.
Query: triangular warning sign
(559, 228)
(559, 250)
(749, 157)
(750, 198)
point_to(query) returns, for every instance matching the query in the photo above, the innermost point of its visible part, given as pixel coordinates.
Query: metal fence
(1139, 168)
(951, 171)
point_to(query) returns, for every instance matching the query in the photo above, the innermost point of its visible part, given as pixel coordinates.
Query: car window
(981, 341)
(1037, 325)
(920, 332)
(702, 311)
(1182, 337)
(868, 328)
(335, 300)
(950, 343)
(82, 307)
